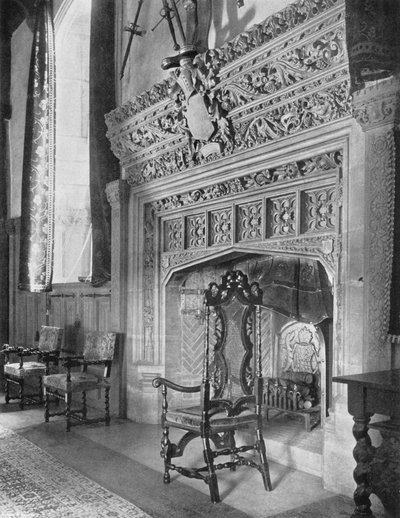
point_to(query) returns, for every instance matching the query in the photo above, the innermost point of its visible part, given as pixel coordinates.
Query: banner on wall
(37, 202)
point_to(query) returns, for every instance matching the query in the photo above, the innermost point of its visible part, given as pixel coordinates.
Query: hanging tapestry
(37, 210)
(103, 164)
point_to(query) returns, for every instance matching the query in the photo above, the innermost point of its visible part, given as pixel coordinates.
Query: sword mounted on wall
(134, 29)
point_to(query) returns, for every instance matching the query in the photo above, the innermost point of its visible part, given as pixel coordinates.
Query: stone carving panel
(281, 215)
(249, 221)
(221, 227)
(148, 284)
(196, 231)
(380, 232)
(173, 235)
(319, 210)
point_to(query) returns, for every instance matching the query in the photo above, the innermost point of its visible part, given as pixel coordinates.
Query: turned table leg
(363, 454)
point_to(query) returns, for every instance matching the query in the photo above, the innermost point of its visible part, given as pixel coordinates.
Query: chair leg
(166, 454)
(21, 394)
(84, 405)
(7, 390)
(68, 410)
(40, 390)
(107, 405)
(264, 462)
(46, 406)
(232, 445)
(212, 477)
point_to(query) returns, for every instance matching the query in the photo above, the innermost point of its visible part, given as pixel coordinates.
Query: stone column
(118, 197)
(375, 107)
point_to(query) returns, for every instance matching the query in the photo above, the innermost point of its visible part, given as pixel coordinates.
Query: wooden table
(378, 469)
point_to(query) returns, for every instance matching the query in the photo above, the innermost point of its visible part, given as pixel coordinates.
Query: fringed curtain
(103, 164)
(37, 210)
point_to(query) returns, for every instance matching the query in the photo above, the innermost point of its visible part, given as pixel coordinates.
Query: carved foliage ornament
(253, 181)
(295, 84)
(274, 26)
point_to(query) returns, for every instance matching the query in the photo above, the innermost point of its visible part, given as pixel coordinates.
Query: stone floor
(124, 458)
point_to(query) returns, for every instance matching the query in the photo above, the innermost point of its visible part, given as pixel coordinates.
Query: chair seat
(29, 369)
(191, 418)
(80, 381)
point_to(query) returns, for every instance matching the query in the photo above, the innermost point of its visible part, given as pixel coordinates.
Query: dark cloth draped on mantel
(103, 164)
(37, 202)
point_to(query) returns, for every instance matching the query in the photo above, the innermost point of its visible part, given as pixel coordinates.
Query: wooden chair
(98, 351)
(231, 389)
(47, 353)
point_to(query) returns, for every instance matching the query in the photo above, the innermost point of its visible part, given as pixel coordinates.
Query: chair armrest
(72, 361)
(158, 382)
(96, 362)
(21, 351)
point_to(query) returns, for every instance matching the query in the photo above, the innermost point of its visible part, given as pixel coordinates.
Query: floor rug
(33, 484)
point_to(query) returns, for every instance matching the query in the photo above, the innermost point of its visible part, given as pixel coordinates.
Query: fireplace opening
(296, 328)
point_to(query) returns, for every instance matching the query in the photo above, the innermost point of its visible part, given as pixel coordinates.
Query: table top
(382, 380)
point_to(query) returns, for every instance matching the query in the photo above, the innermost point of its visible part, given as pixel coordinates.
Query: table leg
(363, 454)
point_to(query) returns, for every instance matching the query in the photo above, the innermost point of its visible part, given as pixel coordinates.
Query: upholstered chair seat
(29, 369)
(79, 381)
(94, 374)
(47, 355)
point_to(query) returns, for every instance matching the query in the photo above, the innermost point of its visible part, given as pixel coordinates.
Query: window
(73, 243)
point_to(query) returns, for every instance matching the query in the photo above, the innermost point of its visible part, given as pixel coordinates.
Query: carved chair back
(232, 356)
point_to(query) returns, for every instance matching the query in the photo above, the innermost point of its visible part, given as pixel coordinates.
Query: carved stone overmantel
(259, 88)
(376, 108)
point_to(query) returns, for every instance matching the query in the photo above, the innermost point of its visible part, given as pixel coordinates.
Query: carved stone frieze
(169, 261)
(326, 248)
(283, 70)
(308, 111)
(304, 168)
(138, 104)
